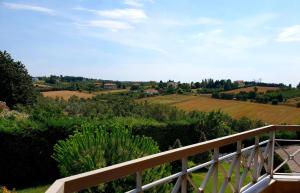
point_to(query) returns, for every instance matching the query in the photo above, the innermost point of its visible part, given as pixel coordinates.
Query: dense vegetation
(97, 147)
(15, 82)
(274, 97)
(42, 139)
(28, 138)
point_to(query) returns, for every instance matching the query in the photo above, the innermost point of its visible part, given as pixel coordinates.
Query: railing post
(184, 178)
(271, 154)
(238, 166)
(215, 175)
(139, 182)
(255, 164)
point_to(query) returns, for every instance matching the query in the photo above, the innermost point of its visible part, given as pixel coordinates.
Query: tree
(95, 147)
(15, 82)
(298, 86)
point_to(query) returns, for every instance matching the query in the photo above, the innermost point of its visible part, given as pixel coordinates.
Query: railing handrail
(95, 177)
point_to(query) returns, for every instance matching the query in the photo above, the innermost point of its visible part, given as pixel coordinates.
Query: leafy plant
(95, 147)
(15, 83)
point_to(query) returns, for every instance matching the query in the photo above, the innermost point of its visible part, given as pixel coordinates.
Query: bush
(274, 102)
(15, 83)
(95, 147)
(26, 148)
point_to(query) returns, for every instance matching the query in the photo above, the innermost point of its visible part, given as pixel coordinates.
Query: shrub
(275, 102)
(26, 148)
(96, 147)
(15, 83)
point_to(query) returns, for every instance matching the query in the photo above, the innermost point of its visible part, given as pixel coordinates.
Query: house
(110, 86)
(151, 91)
(240, 83)
(172, 84)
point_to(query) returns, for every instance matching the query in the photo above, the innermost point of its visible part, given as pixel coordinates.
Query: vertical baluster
(255, 164)
(271, 154)
(139, 182)
(184, 178)
(238, 166)
(215, 175)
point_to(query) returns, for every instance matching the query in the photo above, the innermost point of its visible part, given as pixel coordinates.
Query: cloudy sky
(183, 40)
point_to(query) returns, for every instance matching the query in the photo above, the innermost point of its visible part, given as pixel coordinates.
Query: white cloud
(134, 3)
(109, 24)
(133, 15)
(218, 41)
(289, 34)
(171, 22)
(128, 14)
(19, 6)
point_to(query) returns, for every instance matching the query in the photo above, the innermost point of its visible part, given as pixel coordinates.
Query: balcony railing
(253, 164)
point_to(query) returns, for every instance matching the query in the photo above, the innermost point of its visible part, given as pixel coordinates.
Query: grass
(199, 177)
(38, 189)
(260, 89)
(271, 114)
(66, 94)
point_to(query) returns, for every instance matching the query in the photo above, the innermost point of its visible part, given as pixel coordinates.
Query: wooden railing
(251, 159)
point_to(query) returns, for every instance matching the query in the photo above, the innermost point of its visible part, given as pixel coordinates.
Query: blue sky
(155, 39)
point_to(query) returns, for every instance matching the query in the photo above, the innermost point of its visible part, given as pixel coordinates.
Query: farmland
(260, 89)
(66, 94)
(268, 113)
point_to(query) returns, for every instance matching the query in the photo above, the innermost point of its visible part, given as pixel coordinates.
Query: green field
(199, 177)
(38, 189)
(271, 114)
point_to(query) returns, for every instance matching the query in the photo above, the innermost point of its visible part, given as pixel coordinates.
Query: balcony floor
(283, 187)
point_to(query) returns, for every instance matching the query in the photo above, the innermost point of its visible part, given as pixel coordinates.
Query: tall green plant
(95, 147)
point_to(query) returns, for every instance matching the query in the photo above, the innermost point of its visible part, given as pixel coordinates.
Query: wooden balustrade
(258, 159)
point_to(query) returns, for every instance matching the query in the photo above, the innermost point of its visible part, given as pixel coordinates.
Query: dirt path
(290, 149)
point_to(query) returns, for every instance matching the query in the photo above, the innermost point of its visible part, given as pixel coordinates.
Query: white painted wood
(139, 183)
(177, 185)
(255, 163)
(207, 176)
(271, 155)
(184, 178)
(255, 160)
(238, 167)
(215, 174)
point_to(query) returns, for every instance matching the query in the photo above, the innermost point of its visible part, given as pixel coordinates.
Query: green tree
(15, 83)
(95, 148)
(298, 86)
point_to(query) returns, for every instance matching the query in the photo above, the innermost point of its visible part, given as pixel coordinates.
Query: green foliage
(15, 83)
(274, 102)
(95, 147)
(50, 120)
(277, 161)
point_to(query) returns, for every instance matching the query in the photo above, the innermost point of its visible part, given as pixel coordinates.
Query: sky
(140, 40)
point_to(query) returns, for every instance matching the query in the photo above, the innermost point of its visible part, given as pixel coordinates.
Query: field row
(271, 114)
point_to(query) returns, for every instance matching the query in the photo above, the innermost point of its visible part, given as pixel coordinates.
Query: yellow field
(66, 94)
(111, 91)
(262, 89)
(270, 114)
(292, 102)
